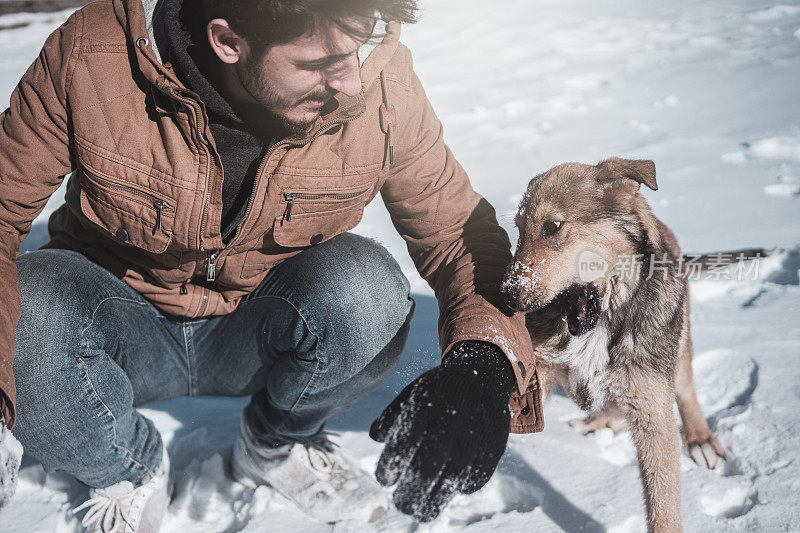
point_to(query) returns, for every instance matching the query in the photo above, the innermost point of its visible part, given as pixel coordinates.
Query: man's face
(294, 80)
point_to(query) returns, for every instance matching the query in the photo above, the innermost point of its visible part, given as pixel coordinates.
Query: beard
(275, 105)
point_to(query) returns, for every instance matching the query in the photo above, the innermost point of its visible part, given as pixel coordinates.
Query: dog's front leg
(648, 412)
(702, 445)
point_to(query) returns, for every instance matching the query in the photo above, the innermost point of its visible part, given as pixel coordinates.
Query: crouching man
(219, 153)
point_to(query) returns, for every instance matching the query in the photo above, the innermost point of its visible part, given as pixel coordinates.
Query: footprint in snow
(783, 189)
(501, 495)
(786, 186)
(725, 381)
(633, 524)
(731, 502)
(783, 268)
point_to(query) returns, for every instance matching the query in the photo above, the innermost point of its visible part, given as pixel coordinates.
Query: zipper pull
(159, 205)
(289, 197)
(211, 273)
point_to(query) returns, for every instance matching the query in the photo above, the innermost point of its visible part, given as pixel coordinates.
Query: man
(219, 153)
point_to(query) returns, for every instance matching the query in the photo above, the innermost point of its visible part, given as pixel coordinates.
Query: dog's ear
(639, 170)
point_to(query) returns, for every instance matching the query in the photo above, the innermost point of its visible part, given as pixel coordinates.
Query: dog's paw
(705, 451)
(592, 423)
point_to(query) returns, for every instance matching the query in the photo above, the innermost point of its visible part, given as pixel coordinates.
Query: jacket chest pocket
(129, 215)
(314, 216)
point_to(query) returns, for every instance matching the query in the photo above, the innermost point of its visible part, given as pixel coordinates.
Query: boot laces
(320, 450)
(107, 511)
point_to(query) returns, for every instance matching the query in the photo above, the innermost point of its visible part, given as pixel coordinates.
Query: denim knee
(50, 317)
(58, 291)
(370, 292)
(70, 401)
(353, 296)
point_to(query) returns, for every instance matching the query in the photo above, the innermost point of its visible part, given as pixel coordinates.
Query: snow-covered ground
(709, 91)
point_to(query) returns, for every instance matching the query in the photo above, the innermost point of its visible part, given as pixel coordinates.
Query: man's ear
(639, 170)
(226, 43)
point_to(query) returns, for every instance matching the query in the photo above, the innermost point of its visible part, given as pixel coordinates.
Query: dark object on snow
(446, 431)
(38, 6)
(709, 262)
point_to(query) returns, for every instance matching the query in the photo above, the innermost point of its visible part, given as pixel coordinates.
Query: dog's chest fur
(640, 336)
(585, 362)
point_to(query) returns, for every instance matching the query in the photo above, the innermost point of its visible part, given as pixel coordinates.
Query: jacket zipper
(212, 162)
(158, 204)
(214, 256)
(290, 198)
(211, 265)
(211, 271)
(263, 164)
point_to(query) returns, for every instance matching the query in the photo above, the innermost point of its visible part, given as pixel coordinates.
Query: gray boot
(314, 475)
(121, 508)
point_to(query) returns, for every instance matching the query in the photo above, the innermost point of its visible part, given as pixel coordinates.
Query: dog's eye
(550, 228)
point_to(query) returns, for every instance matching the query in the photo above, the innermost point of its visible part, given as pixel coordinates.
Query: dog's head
(575, 223)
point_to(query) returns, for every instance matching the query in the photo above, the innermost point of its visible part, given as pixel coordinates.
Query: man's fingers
(423, 497)
(429, 482)
(402, 444)
(475, 478)
(379, 430)
(478, 472)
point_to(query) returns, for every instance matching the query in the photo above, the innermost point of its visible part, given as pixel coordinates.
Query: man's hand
(10, 459)
(446, 431)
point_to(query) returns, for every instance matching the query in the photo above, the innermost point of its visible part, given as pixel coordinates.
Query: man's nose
(347, 82)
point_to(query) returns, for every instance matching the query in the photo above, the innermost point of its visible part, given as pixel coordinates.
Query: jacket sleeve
(452, 235)
(34, 157)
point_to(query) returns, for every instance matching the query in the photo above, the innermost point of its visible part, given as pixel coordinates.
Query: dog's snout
(511, 295)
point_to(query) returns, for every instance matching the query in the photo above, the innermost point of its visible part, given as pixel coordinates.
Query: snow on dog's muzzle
(522, 289)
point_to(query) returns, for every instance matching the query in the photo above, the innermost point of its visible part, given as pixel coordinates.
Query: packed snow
(10, 459)
(708, 90)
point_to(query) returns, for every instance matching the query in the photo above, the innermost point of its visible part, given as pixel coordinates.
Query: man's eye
(551, 227)
(332, 63)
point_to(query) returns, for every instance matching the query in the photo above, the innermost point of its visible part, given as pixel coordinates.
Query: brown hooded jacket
(144, 198)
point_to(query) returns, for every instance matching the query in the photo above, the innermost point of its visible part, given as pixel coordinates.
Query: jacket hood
(142, 18)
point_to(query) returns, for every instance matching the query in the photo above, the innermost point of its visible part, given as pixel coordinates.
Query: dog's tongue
(582, 309)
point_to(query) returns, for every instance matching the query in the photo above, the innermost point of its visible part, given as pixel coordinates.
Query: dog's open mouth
(581, 305)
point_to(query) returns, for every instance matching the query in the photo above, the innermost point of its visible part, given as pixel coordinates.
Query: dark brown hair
(265, 22)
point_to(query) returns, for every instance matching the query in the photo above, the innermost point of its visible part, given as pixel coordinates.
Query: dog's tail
(718, 260)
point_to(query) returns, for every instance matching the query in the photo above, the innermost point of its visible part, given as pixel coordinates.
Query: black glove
(446, 431)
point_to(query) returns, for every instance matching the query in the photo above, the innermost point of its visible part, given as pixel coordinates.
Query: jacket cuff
(507, 333)
(510, 335)
(526, 409)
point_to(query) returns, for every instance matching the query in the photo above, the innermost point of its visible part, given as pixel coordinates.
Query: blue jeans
(323, 330)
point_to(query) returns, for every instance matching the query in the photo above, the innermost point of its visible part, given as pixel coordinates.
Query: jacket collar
(152, 13)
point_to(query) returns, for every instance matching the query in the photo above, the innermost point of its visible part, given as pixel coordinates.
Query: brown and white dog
(600, 279)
